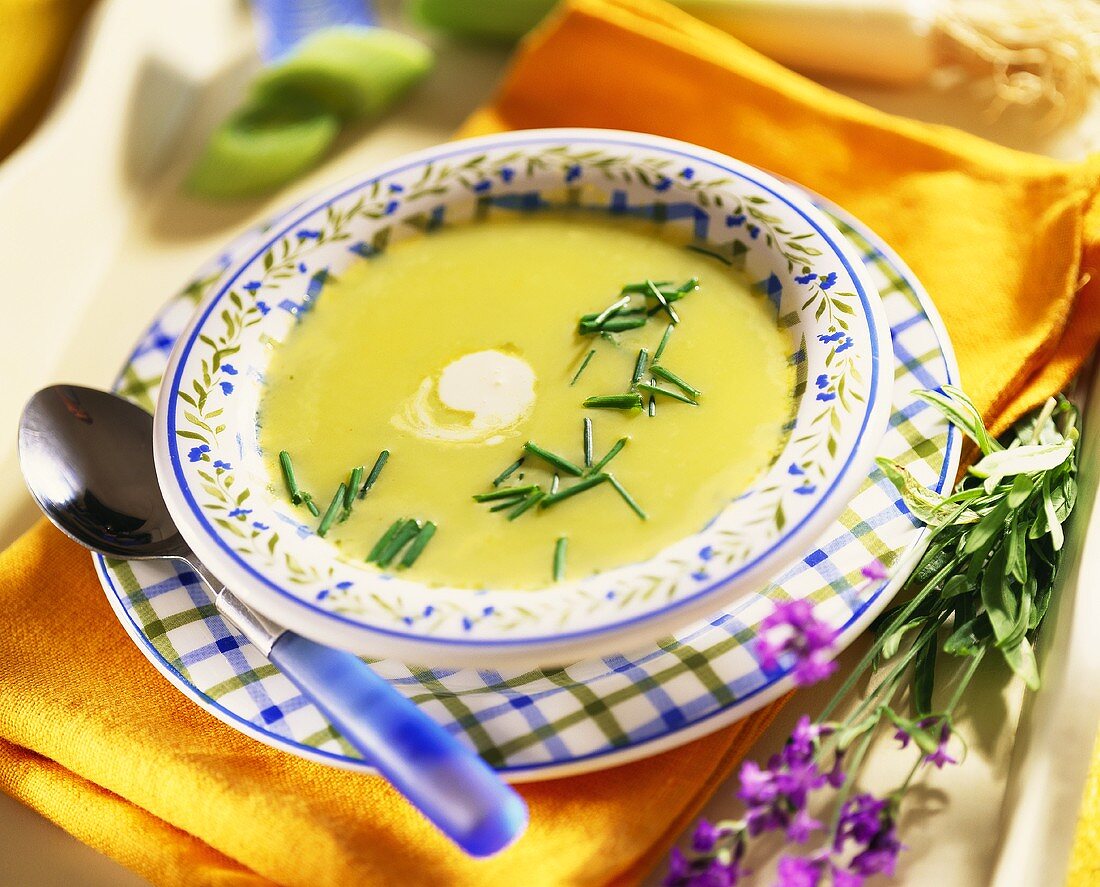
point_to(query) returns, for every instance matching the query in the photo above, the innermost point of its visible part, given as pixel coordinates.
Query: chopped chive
(410, 528)
(587, 442)
(652, 406)
(660, 297)
(385, 539)
(553, 458)
(625, 312)
(611, 310)
(506, 493)
(664, 341)
(643, 287)
(559, 558)
(584, 366)
(579, 487)
(611, 454)
(667, 392)
(379, 464)
(288, 476)
(418, 544)
(684, 288)
(554, 483)
(505, 504)
(635, 507)
(612, 325)
(527, 503)
(333, 508)
(507, 472)
(614, 402)
(353, 485)
(311, 505)
(639, 367)
(670, 376)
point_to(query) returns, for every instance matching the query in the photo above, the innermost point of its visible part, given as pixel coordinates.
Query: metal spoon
(87, 457)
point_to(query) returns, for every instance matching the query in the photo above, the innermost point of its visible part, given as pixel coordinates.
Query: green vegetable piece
(614, 402)
(261, 148)
(418, 544)
(559, 558)
(351, 73)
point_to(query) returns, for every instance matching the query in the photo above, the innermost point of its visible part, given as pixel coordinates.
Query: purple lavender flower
(859, 820)
(801, 826)
(940, 756)
(705, 837)
(703, 872)
(868, 821)
(795, 871)
(844, 878)
(792, 628)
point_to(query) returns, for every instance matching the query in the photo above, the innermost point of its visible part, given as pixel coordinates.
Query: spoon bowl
(87, 457)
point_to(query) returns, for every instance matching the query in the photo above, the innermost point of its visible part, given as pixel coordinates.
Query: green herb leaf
(423, 537)
(667, 392)
(584, 365)
(614, 402)
(559, 558)
(376, 470)
(559, 462)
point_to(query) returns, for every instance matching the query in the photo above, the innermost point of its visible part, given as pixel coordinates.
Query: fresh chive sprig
(579, 487)
(289, 478)
(560, 548)
(611, 454)
(559, 462)
(584, 365)
(376, 470)
(639, 367)
(621, 490)
(587, 442)
(664, 342)
(333, 509)
(408, 531)
(419, 543)
(508, 472)
(614, 402)
(662, 301)
(667, 392)
(505, 493)
(670, 376)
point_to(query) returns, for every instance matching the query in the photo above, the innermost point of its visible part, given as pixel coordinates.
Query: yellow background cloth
(93, 737)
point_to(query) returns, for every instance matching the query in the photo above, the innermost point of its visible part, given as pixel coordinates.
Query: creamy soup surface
(453, 349)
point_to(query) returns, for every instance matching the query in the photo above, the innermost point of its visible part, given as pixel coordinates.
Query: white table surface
(151, 78)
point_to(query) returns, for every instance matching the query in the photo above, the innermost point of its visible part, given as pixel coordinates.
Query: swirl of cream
(481, 398)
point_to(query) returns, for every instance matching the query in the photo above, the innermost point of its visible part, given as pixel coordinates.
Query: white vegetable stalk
(1025, 52)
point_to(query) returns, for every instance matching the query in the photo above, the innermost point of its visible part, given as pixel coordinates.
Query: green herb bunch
(982, 586)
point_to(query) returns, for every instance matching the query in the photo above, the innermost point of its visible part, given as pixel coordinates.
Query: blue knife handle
(447, 782)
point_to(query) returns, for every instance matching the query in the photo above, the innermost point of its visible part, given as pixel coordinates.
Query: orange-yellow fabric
(34, 37)
(95, 739)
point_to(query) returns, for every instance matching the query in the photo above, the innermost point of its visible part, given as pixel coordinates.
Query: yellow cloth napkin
(94, 738)
(34, 37)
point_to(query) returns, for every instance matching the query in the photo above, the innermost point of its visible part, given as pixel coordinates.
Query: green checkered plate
(599, 712)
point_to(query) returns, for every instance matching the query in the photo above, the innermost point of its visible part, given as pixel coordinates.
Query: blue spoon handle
(450, 784)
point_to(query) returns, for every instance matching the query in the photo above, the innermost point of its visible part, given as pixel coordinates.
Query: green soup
(454, 349)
